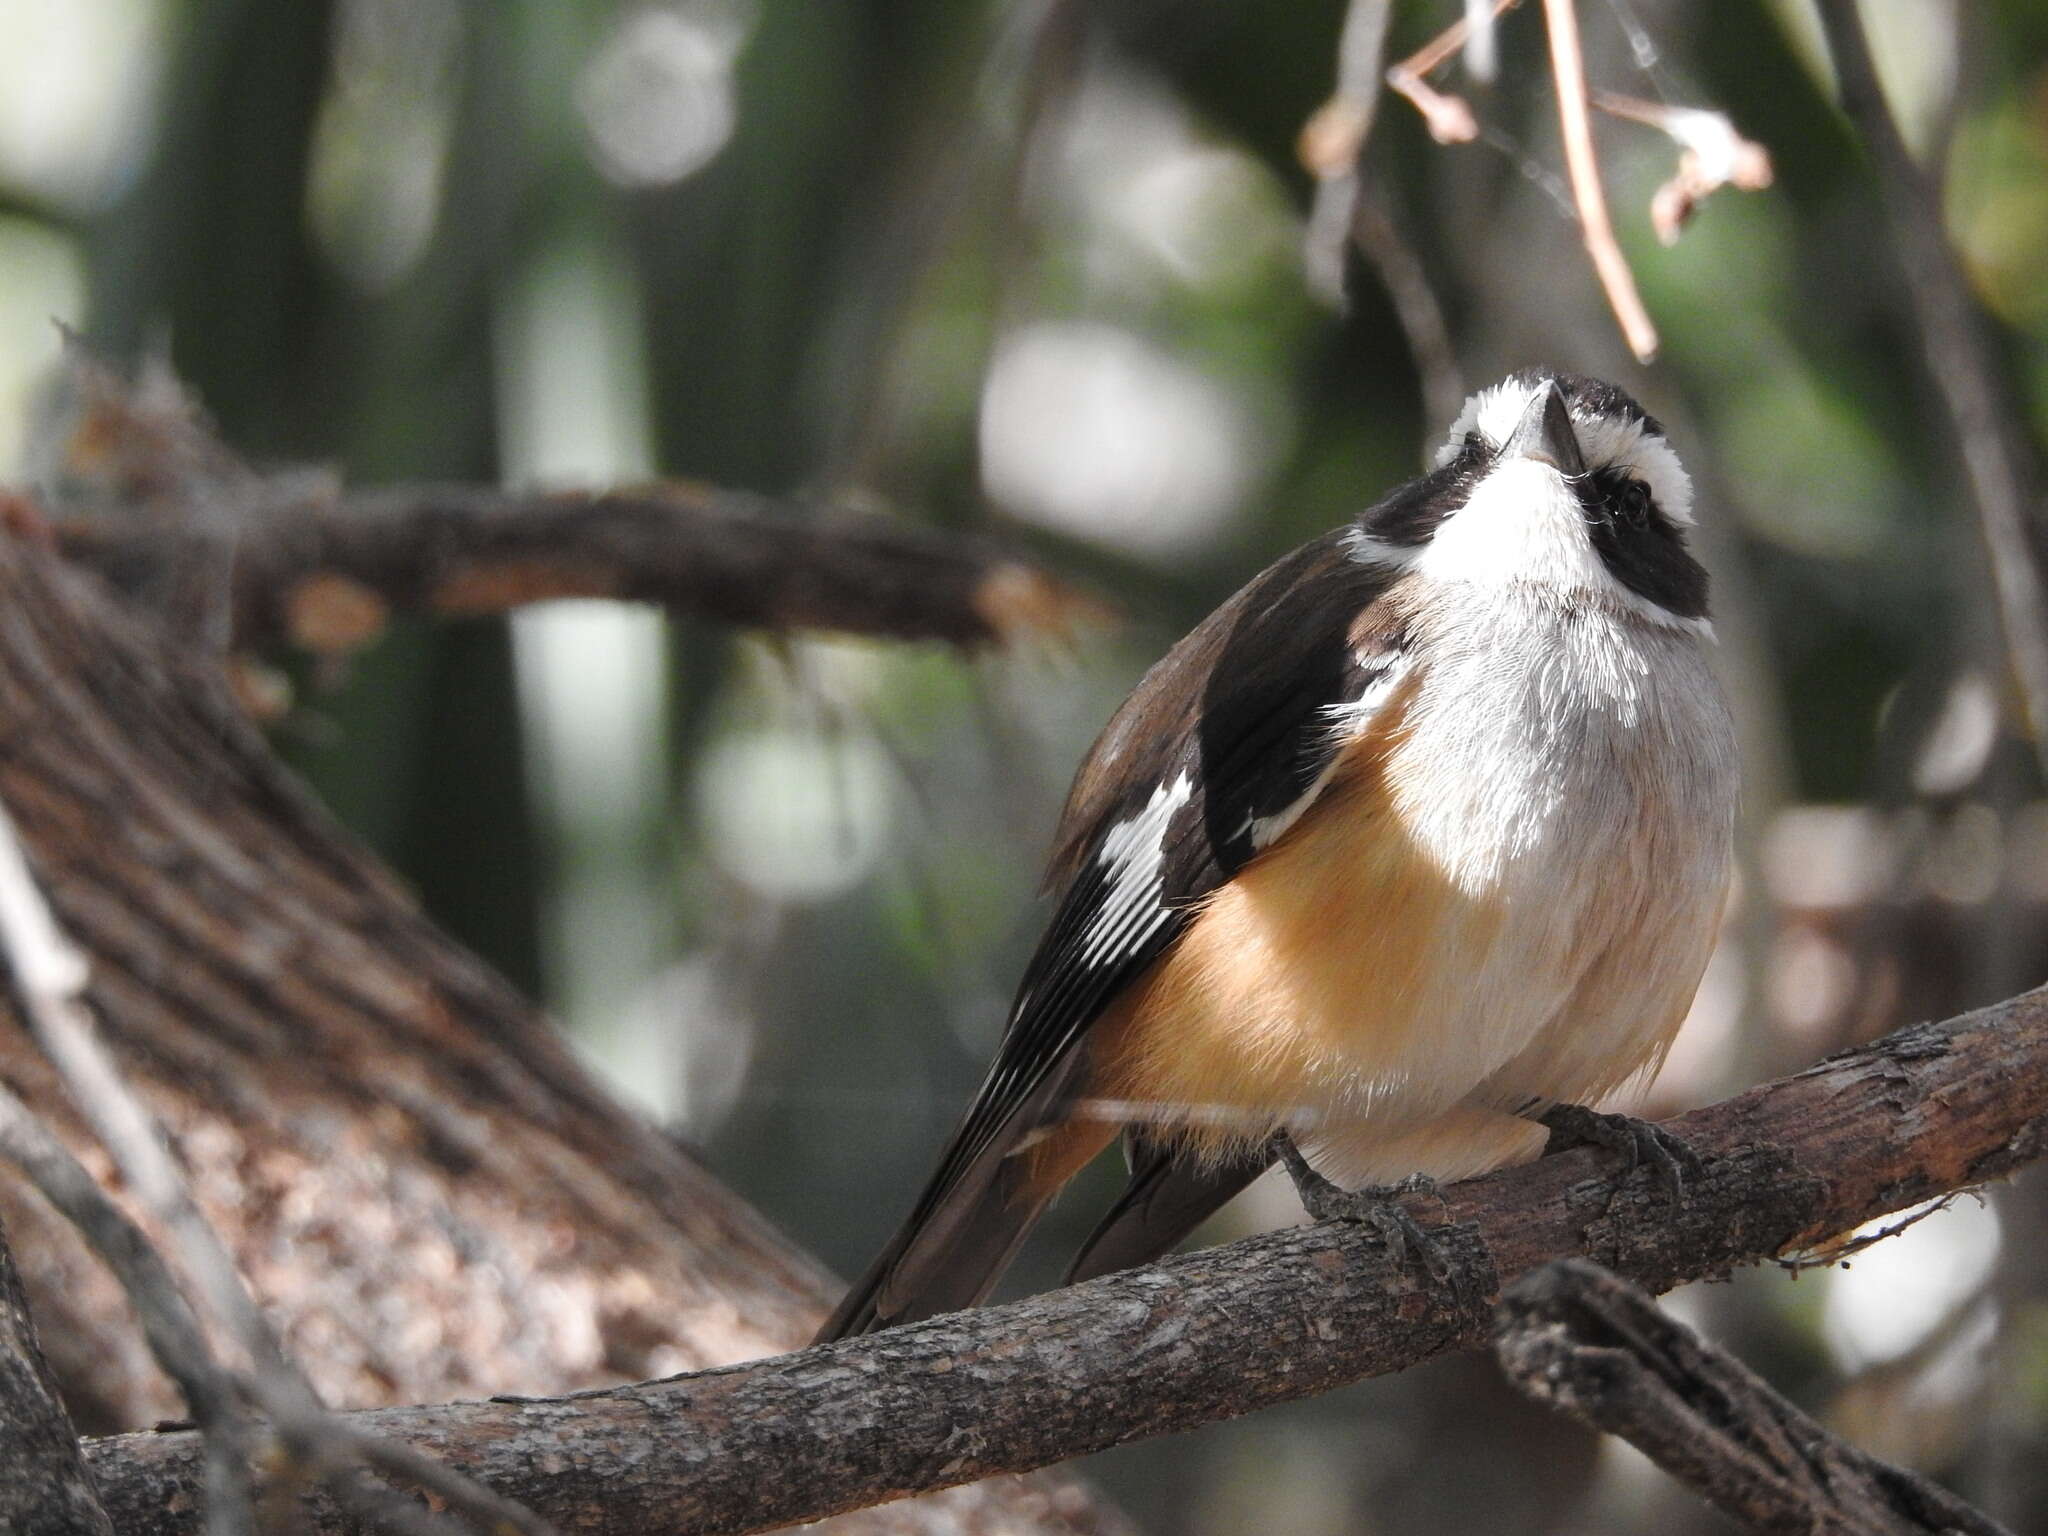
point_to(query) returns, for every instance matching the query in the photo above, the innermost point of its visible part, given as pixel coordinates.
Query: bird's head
(1553, 481)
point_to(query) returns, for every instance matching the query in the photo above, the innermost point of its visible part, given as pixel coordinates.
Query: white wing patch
(1368, 550)
(1349, 719)
(1134, 852)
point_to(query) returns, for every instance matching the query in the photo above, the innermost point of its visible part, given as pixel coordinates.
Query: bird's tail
(1168, 1197)
(966, 1229)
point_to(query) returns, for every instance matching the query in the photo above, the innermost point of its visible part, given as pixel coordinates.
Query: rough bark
(327, 571)
(425, 1192)
(1789, 1166)
(1582, 1340)
(46, 1490)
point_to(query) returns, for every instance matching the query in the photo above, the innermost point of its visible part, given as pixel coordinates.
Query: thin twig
(1577, 1337)
(1711, 155)
(1416, 309)
(1345, 212)
(1999, 460)
(50, 977)
(1332, 147)
(1568, 66)
(1448, 117)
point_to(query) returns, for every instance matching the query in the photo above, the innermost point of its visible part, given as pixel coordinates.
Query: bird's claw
(1377, 1205)
(1637, 1141)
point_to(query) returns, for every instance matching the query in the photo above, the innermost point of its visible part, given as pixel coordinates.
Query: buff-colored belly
(1347, 986)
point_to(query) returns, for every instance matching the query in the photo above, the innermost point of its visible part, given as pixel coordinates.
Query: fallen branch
(1219, 1333)
(1579, 1339)
(327, 573)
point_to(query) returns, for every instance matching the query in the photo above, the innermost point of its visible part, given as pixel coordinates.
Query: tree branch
(1582, 1340)
(1998, 459)
(326, 573)
(1568, 65)
(1215, 1334)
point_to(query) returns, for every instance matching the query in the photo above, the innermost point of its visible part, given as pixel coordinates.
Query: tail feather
(927, 1269)
(965, 1232)
(1165, 1201)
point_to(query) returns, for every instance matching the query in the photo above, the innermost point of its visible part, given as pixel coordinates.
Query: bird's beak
(1545, 434)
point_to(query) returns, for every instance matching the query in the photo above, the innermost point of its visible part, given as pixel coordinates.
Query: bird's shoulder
(1235, 724)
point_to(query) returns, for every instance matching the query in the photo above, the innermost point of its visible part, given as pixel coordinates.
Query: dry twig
(173, 1334)
(1568, 66)
(1711, 155)
(1218, 1333)
(1448, 117)
(1345, 212)
(1332, 147)
(1420, 315)
(1578, 1338)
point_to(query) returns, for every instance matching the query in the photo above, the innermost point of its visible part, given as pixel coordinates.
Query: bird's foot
(1638, 1142)
(1377, 1205)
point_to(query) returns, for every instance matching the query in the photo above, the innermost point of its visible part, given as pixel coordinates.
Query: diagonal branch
(1568, 64)
(1999, 461)
(1575, 1337)
(1216, 1334)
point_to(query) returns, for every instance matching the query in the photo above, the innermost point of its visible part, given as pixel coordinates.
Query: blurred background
(1036, 268)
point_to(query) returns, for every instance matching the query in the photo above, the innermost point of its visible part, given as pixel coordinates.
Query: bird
(1408, 853)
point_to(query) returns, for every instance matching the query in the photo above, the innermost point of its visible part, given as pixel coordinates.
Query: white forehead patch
(1609, 440)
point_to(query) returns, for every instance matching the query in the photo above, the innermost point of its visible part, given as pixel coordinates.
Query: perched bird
(1414, 846)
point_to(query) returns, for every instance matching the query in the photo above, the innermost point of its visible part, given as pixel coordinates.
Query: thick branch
(326, 573)
(1215, 1334)
(1577, 1338)
(46, 1488)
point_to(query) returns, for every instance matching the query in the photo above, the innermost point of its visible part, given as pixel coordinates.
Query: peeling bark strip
(1214, 1334)
(324, 573)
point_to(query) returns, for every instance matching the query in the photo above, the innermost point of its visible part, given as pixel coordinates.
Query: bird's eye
(1631, 503)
